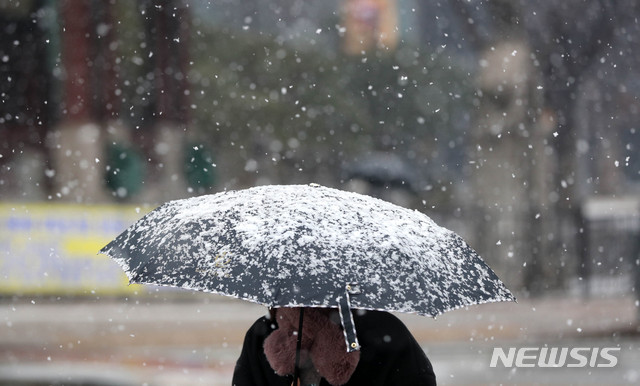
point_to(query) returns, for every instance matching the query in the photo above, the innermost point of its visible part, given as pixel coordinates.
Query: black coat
(389, 355)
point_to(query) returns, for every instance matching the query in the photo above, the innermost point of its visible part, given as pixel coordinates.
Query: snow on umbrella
(307, 246)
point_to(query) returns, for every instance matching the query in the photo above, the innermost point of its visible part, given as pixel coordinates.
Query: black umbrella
(384, 170)
(307, 246)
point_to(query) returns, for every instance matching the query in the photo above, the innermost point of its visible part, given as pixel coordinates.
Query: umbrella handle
(296, 375)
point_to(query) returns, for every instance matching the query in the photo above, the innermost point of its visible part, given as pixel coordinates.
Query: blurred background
(513, 123)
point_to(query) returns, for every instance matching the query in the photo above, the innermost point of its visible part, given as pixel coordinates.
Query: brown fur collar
(323, 344)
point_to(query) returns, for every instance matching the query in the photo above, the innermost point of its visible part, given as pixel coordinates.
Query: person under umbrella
(389, 354)
(287, 246)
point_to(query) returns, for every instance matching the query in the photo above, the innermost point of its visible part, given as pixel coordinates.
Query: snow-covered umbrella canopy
(307, 246)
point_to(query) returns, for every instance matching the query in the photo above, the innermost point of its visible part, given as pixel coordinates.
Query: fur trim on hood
(323, 344)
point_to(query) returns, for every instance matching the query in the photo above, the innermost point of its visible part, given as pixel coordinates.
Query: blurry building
(96, 103)
(69, 130)
(25, 86)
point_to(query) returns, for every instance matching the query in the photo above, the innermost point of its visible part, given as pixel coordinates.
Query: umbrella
(384, 169)
(307, 246)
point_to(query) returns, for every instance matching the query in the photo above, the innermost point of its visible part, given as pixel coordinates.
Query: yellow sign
(53, 248)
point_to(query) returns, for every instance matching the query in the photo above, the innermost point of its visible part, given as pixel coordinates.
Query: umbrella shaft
(296, 375)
